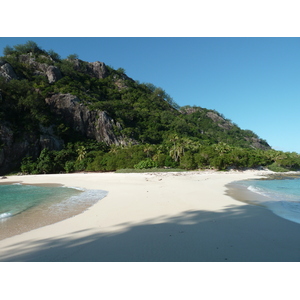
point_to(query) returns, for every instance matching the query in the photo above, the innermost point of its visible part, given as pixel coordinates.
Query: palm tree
(148, 149)
(223, 148)
(81, 153)
(177, 150)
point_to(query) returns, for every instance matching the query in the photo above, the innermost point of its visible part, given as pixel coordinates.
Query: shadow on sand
(238, 233)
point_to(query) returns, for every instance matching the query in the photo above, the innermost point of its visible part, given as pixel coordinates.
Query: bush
(146, 164)
(276, 168)
(160, 159)
(69, 166)
(187, 161)
(170, 163)
(28, 166)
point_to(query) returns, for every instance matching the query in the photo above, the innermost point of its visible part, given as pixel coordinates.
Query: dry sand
(159, 217)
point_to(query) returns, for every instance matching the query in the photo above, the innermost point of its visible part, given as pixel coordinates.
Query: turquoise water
(280, 194)
(25, 207)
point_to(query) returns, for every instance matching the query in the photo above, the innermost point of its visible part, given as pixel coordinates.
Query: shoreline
(46, 212)
(186, 216)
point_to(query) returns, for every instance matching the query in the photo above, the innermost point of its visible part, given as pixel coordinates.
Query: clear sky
(252, 81)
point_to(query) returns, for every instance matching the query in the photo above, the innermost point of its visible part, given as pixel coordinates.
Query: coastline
(55, 209)
(158, 217)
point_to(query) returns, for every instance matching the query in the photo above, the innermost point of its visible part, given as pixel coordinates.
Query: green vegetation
(153, 170)
(93, 157)
(162, 134)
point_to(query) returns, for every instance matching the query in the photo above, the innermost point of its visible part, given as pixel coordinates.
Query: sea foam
(5, 215)
(87, 197)
(282, 197)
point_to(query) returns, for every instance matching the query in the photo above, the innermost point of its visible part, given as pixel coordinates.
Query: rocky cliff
(95, 124)
(7, 71)
(13, 146)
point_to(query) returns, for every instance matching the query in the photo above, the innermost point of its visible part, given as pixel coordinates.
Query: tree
(28, 47)
(8, 50)
(121, 71)
(187, 161)
(55, 56)
(177, 149)
(222, 148)
(148, 149)
(81, 151)
(45, 162)
(72, 56)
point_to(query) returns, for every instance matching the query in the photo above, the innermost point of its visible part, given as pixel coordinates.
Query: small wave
(75, 188)
(89, 197)
(257, 190)
(5, 215)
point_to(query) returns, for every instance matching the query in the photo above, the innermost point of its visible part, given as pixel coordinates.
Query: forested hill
(68, 115)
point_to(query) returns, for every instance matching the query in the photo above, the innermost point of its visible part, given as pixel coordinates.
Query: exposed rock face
(189, 110)
(95, 69)
(257, 143)
(92, 124)
(40, 68)
(53, 74)
(49, 140)
(98, 69)
(13, 149)
(219, 120)
(8, 72)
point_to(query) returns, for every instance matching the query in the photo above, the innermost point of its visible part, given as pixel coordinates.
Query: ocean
(278, 193)
(26, 207)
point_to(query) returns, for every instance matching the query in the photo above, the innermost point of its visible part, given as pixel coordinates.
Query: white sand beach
(158, 217)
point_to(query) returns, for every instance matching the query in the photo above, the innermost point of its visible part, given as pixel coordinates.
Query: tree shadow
(238, 233)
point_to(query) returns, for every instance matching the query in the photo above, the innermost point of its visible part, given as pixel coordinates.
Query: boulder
(95, 69)
(53, 74)
(7, 72)
(98, 69)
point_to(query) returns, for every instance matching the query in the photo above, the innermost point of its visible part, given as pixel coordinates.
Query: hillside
(69, 115)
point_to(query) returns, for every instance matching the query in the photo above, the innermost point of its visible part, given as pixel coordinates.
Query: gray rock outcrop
(7, 72)
(98, 69)
(95, 69)
(53, 74)
(96, 125)
(14, 147)
(49, 140)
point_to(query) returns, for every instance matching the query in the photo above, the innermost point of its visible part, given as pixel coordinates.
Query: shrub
(276, 168)
(28, 166)
(146, 164)
(187, 161)
(69, 166)
(170, 163)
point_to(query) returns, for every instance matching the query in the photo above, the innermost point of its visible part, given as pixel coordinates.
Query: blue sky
(252, 81)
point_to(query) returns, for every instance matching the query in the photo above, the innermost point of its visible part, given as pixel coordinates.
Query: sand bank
(158, 217)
